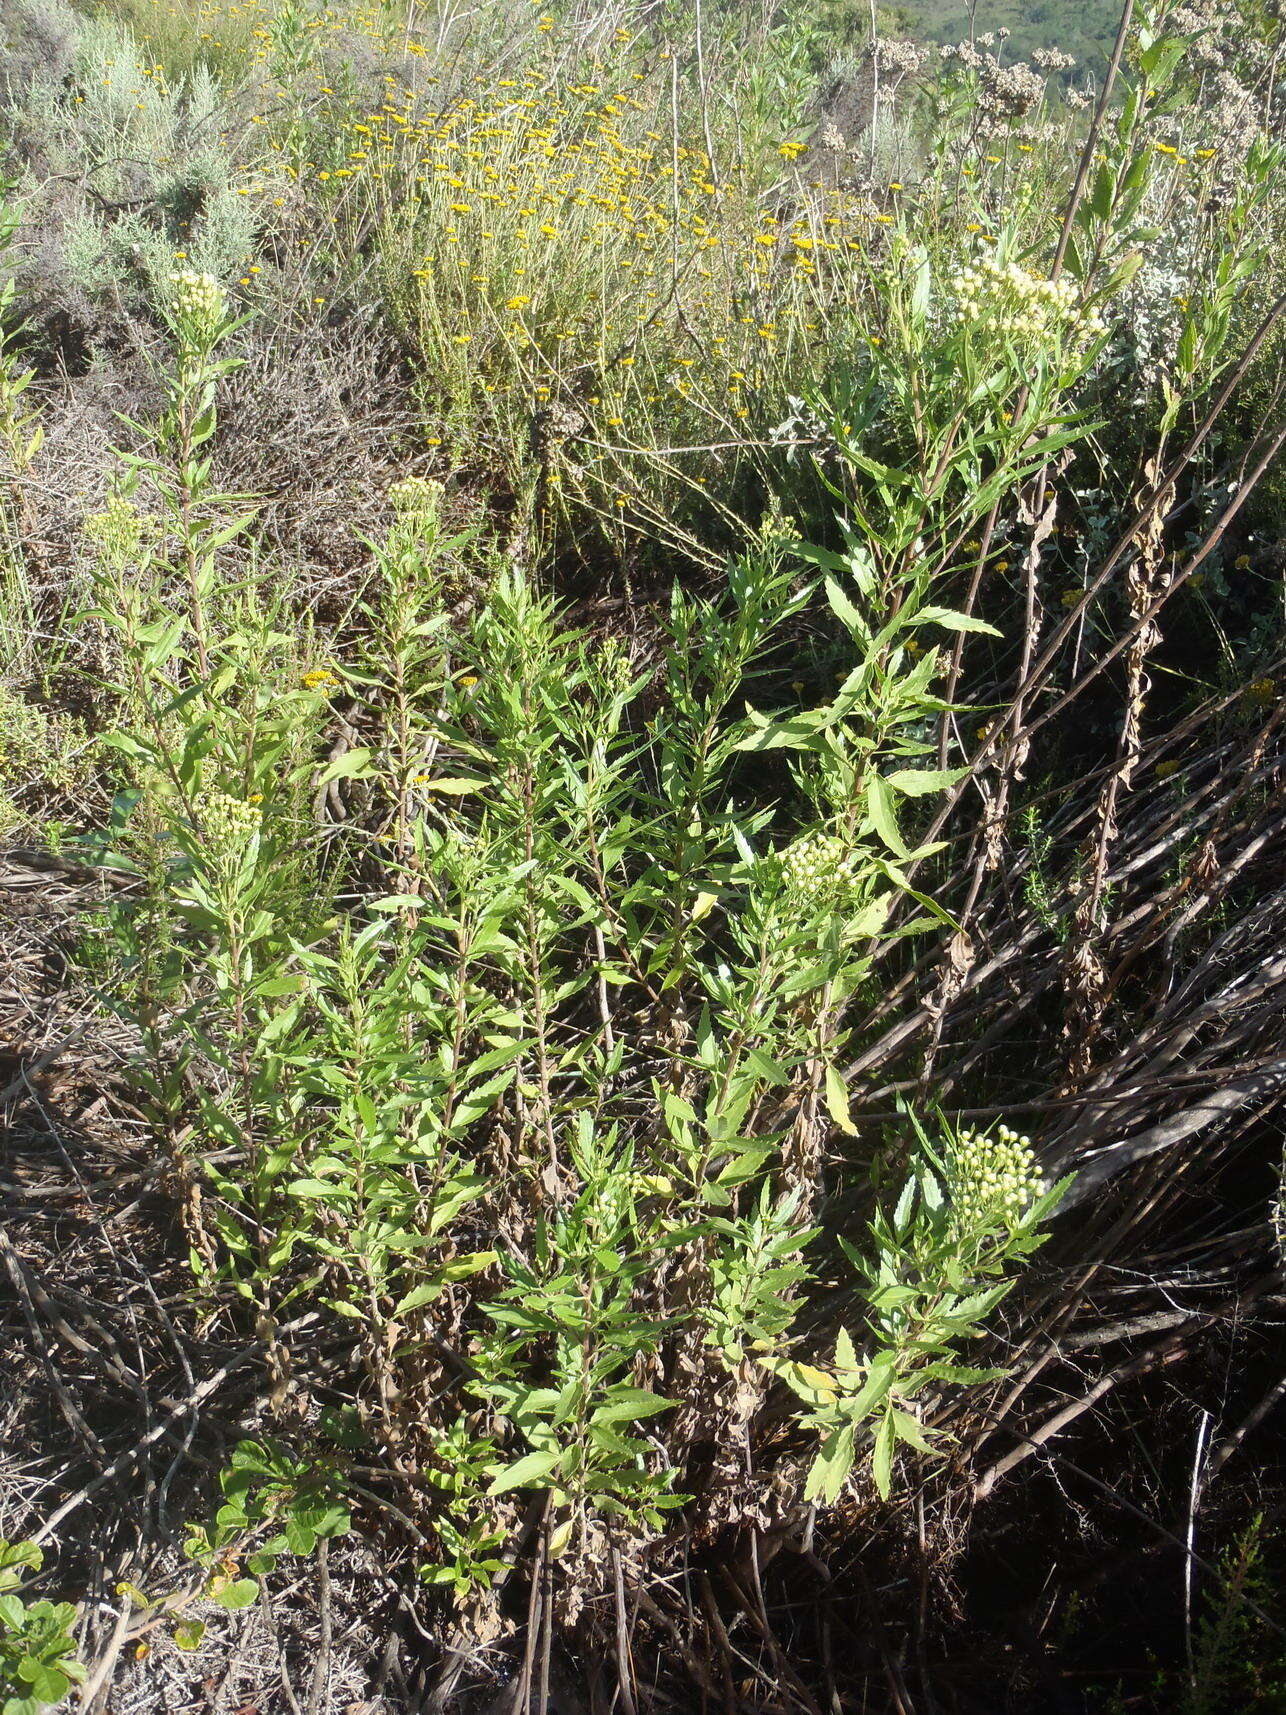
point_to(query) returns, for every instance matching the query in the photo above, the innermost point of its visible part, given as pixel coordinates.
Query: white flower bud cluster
(229, 821)
(1005, 301)
(415, 496)
(993, 1178)
(417, 504)
(199, 301)
(817, 866)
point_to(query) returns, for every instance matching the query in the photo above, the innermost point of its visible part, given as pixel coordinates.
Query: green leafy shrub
(960, 1221)
(498, 972)
(38, 1661)
(554, 1106)
(274, 1503)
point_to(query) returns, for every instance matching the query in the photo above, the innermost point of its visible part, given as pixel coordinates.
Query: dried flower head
(1009, 92)
(899, 58)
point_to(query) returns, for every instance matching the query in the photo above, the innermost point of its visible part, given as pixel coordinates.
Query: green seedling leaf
(844, 608)
(830, 1469)
(235, 1594)
(300, 1536)
(355, 763)
(15, 1557)
(559, 1538)
(845, 1355)
(910, 1430)
(879, 805)
(48, 1684)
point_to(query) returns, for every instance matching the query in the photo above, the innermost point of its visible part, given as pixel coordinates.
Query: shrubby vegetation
(537, 548)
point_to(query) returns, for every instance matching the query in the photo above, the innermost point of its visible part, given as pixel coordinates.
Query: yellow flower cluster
(553, 230)
(1262, 693)
(1005, 301)
(994, 1178)
(117, 531)
(229, 821)
(552, 238)
(199, 301)
(319, 679)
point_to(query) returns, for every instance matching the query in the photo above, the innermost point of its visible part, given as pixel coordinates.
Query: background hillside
(1083, 28)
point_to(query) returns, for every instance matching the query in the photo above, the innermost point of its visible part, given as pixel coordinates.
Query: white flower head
(994, 1179)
